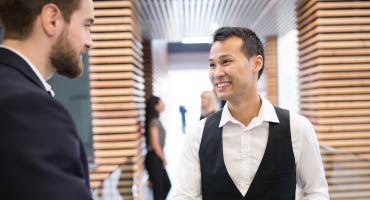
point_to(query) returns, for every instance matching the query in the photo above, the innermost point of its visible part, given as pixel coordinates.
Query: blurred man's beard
(64, 58)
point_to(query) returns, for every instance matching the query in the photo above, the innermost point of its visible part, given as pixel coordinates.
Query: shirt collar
(34, 69)
(266, 113)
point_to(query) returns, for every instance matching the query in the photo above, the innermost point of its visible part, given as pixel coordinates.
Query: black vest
(276, 175)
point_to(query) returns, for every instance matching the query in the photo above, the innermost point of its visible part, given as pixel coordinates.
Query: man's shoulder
(14, 84)
(11, 78)
(196, 130)
(25, 98)
(17, 91)
(300, 125)
(298, 122)
(16, 71)
(294, 116)
(33, 106)
(215, 116)
(299, 119)
(6, 69)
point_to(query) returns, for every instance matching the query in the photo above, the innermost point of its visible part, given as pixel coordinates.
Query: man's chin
(71, 73)
(222, 97)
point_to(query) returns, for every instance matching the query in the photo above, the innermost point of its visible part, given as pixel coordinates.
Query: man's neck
(33, 53)
(246, 109)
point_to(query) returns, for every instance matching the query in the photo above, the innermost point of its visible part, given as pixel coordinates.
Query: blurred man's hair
(18, 16)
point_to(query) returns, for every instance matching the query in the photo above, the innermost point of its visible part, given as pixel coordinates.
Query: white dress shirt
(34, 69)
(243, 149)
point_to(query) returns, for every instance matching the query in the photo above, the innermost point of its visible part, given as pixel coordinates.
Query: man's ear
(51, 19)
(257, 63)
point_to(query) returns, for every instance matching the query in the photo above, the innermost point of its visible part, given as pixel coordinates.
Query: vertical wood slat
(271, 69)
(148, 68)
(334, 51)
(117, 96)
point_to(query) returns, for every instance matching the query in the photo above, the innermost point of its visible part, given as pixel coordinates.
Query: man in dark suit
(41, 154)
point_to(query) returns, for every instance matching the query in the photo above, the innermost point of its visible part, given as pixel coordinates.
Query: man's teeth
(222, 84)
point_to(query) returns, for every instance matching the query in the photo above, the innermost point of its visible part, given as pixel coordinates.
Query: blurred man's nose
(89, 43)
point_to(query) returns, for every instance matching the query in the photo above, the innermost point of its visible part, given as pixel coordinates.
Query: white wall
(288, 87)
(189, 78)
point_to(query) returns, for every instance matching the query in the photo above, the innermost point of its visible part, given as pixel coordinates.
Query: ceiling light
(195, 40)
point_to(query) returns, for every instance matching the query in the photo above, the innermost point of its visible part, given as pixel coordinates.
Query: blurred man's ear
(51, 19)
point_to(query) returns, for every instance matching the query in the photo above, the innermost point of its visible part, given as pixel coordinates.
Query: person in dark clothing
(249, 149)
(155, 161)
(42, 154)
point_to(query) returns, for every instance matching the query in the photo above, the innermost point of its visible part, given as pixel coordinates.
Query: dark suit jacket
(42, 157)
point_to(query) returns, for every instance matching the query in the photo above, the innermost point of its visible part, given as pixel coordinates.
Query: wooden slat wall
(117, 96)
(101, 173)
(271, 69)
(334, 51)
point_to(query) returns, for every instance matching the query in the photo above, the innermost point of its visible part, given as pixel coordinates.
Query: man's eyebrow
(222, 56)
(225, 56)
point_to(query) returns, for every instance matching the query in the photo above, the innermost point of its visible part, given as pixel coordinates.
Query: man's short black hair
(252, 45)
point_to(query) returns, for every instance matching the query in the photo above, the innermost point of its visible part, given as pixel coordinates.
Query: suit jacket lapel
(12, 60)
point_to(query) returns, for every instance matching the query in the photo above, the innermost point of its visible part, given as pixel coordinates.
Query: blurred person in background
(209, 103)
(155, 161)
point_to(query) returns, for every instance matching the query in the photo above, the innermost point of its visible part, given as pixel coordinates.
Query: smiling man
(42, 154)
(250, 149)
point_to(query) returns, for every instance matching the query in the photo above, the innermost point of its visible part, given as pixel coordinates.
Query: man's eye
(211, 65)
(225, 62)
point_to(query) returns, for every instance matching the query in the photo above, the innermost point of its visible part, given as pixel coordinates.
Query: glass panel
(74, 94)
(347, 172)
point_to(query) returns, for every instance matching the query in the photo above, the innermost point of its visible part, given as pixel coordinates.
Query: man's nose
(219, 71)
(89, 43)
